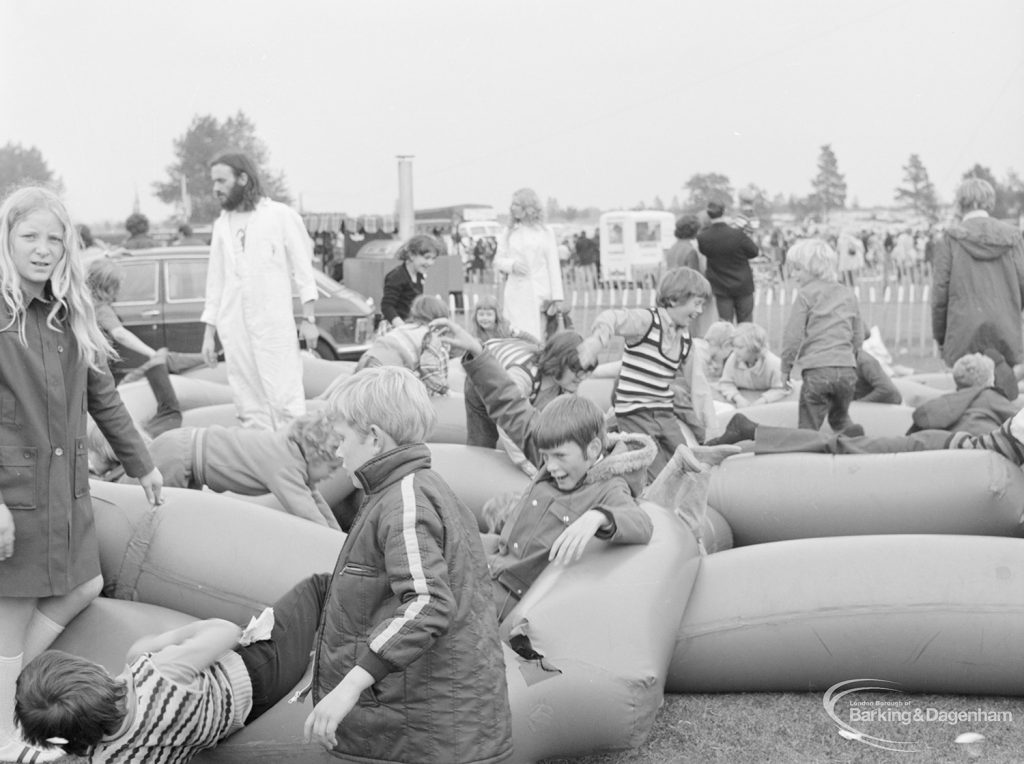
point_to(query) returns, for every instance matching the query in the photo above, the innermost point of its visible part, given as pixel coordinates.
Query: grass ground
(790, 727)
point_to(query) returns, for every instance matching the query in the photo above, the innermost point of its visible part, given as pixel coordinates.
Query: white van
(633, 244)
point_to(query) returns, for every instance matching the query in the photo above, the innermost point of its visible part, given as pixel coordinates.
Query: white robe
(249, 301)
(535, 247)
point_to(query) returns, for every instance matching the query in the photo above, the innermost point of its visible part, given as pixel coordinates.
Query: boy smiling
(586, 488)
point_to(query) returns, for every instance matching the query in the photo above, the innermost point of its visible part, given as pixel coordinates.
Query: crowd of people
(405, 632)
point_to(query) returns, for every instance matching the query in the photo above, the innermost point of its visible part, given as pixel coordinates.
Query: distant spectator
(528, 256)
(137, 226)
(90, 249)
(186, 237)
(978, 281)
(729, 252)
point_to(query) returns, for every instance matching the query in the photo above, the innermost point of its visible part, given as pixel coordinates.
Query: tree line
(206, 137)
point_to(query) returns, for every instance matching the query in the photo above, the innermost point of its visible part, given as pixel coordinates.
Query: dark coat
(728, 252)
(975, 410)
(46, 390)
(978, 290)
(410, 603)
(399, 292)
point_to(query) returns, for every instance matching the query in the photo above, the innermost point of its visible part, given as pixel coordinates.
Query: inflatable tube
(792, 496)
(879, 419)
(192, 393)
(915, 393)
(605, 627)
(940, 380)
(599, 390)
(450, 427)
(204, 554)
(317, 373)
(935, 614)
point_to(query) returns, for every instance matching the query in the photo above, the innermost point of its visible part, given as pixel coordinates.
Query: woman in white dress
(528, 256)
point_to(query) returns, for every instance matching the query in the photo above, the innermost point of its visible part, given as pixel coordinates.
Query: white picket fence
(902, 312)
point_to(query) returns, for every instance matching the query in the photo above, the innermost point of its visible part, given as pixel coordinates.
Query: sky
(601, 103)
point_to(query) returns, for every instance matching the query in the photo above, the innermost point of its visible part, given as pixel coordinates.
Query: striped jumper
(645, 381)
(170, 721)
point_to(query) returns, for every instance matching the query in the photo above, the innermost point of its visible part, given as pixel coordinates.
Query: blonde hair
(814, 256)
(720, 334)
(390, 397)
(529, 203)
(750, 335)
(71, 301)
(974, 370)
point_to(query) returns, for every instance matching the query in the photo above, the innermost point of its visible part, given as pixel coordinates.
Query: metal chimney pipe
(406, 215)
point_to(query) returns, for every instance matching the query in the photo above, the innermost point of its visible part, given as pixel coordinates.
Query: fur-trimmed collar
(628, 456)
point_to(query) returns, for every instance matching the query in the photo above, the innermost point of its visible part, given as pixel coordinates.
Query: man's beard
(235, 199)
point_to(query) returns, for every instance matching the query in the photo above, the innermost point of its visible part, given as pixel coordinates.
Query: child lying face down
(286, 463)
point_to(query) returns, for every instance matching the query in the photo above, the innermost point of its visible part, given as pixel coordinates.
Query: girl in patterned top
(657, 346)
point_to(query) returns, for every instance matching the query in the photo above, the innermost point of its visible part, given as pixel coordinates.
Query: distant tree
(640, 205)
(917, 190)
(707, 186)
(759, 197)
(657, 204)
(829, 184)
(20, 166)
(1005, 203)
(551, 209)
(1014, 194)
(677, 206)
(204, 139)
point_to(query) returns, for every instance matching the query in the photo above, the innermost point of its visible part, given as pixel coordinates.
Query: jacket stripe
(415, 560)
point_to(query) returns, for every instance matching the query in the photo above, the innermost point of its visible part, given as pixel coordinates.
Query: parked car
(164, 290)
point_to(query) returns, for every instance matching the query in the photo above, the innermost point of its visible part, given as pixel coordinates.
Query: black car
(163, 294)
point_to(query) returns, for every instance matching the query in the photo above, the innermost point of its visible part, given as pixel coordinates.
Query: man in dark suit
(729, 252)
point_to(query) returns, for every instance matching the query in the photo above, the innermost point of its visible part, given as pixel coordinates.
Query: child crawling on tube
(407, 665)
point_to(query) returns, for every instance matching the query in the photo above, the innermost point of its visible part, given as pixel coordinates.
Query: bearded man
(259, 247)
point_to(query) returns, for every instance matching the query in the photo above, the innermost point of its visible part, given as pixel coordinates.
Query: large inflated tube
(605, 627)
(790, 496)
(317, 373)
(191, 393)
(879, 419)
(935, 614)
(450, 427)
(204, 554)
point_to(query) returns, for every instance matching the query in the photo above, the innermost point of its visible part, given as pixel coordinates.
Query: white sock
(40, 634)
(9, 670)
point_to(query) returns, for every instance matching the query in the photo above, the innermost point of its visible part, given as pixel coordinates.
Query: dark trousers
(480, 428)
(786, 440)
(276, 665)
(662, 426)
(168, 409)
(740, 309)
(827, 392)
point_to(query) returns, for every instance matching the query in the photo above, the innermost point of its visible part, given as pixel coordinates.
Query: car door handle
(149, 313)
